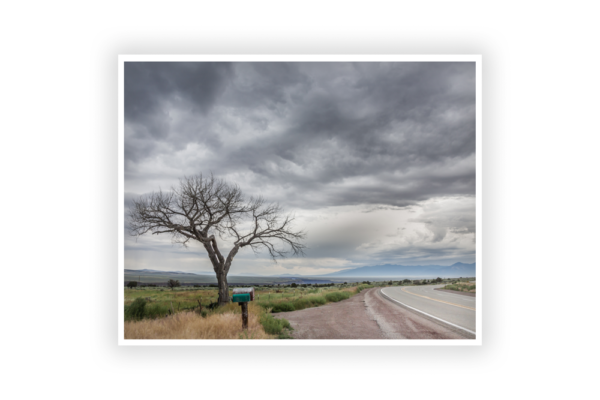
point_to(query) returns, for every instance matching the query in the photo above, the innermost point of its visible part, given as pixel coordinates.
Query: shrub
(155, 311)
(283, 307)
(131, 284)
(337, 296)
(300, 304)
(318, 300)
(274, 326)
(136, 310)
(360, 288)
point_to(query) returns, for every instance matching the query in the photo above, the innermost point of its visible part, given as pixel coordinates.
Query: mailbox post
(243, 296)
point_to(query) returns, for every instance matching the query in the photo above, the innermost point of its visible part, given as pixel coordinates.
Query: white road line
(429, 315)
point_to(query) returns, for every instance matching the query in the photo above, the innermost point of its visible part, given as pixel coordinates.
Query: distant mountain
(155, 272)
(403, 271)
(243, 274)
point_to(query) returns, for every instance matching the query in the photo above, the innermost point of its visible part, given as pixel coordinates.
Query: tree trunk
(223, 288)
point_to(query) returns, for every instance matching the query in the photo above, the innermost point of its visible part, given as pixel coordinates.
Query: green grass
(140, 309)
(302, 300)
(158, 302)
(360, 288)
(283, 307)
(136, 310)
(276, 326)
(337, 296)
(461, 287)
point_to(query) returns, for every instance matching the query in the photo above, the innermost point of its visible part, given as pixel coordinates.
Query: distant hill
(155, 272)
(186, 278)
(413, 271)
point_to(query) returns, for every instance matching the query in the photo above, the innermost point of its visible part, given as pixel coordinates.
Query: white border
(316, 58)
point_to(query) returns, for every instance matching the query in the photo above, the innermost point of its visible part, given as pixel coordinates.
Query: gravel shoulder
(367, 315)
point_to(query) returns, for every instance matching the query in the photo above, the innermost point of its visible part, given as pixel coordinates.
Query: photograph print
(288, 202)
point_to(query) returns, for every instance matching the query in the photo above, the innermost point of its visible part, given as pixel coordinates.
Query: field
(203, 279)
(161, 313)
(189, 312)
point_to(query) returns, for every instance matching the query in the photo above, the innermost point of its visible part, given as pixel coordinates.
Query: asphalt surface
(451, 308)
(367, 315)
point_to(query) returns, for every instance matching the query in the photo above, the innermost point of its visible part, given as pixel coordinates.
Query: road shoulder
(367, 315)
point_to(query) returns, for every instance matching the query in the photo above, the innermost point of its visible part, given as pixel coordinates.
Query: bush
(318, 300)
(283, 307)
(136, 310)
(156, 311)
(131, 284)
(360, 288)
(337, 296)
(275, 326)
(300, 304)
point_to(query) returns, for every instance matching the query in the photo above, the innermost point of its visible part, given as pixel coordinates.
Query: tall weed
(189, 325)
(337, 296)
(274, 326)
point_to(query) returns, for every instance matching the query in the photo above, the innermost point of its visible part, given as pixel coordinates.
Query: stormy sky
(375, 160)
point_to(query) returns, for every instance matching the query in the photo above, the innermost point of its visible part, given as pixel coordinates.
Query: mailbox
(239, 291)
(241, 297)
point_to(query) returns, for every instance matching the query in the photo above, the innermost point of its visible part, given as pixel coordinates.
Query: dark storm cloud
(310, 134)
(154, 89)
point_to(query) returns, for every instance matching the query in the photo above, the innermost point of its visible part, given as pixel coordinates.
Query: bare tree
(172, 283)
(202, 208)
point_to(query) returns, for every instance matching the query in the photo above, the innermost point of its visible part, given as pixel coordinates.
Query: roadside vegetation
(177, 312)
(461, 286)
(222, 323)
(192, 312)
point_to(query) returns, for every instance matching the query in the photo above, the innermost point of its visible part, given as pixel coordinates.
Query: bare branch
(201, 208)
(270, 227)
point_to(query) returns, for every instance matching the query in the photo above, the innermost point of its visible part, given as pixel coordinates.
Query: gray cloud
(308, 135)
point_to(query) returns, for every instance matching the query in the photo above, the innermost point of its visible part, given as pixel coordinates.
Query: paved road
(367, 315)
(450, 307)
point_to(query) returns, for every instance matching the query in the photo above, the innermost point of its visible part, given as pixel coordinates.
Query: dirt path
(365, 316)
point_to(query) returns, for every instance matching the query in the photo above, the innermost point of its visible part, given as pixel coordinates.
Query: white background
(58, 86)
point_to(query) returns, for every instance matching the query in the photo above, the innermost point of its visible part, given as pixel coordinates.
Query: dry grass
(189, 325)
